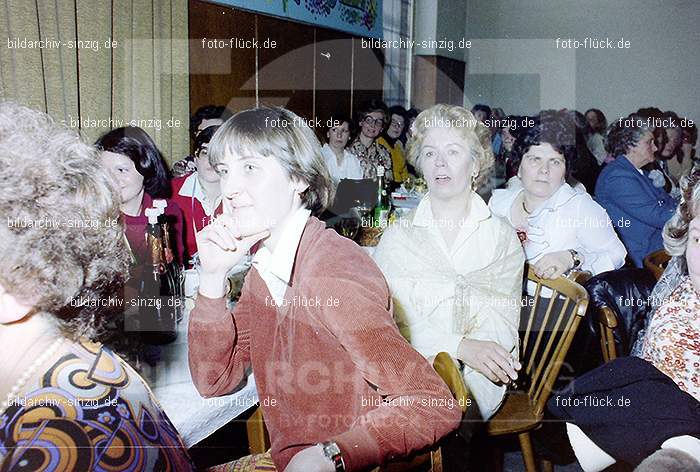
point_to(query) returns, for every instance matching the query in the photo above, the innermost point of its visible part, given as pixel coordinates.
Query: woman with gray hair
(636, 208)
(455, 269)
(68, 403)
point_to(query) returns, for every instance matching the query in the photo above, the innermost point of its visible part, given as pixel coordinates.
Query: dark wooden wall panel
(334, 75)
(221, 76)
(286, 75)
(368, 75)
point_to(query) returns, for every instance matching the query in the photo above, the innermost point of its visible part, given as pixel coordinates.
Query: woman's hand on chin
(221, 246)
(553, 265)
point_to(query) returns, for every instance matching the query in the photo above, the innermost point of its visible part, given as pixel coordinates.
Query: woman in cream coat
(454, 269)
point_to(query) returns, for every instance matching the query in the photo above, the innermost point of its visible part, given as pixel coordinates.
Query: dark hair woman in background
(133, 159)
(595, 134)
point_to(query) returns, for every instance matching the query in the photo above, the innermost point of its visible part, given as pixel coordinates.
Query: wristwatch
(576, 257)
(332, 451)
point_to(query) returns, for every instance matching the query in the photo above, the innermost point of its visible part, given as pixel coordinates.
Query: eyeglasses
(374, 121)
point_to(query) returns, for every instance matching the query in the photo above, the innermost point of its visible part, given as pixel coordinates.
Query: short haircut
(340, 118)
(625, 133)
(370, 107)
(475, 134)
(207, 112)
(137, 145)
(75, 249)
(204, 137)
(556, 128)
(675, 232)
(289, 140)
(483, 108)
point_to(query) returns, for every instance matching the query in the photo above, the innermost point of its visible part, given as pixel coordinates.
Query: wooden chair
(258, 437)
(607, 322)
(543, 352)
(656, 262)
(444, 365)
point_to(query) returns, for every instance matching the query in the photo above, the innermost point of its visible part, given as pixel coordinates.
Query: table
(194, 417)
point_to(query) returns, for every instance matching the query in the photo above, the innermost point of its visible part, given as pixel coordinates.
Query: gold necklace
(525, 208)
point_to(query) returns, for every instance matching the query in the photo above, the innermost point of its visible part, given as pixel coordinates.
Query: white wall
(514, 62)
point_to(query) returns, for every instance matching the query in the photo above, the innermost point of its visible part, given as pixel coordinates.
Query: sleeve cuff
(358, 448)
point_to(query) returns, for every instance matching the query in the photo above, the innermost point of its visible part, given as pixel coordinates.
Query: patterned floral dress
(672, 340)
(89, 412)
(370, 157)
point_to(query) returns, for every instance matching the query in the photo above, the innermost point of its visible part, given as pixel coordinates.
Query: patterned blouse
(371, 157)
(672, 339)
(89, 412)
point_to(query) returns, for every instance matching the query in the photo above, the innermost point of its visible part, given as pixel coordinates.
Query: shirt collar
(281, 262)
(191, 188)
(478, 211)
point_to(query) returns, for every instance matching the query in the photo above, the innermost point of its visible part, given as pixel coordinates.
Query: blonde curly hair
(62, 239)
(475, 134)
(675, 232)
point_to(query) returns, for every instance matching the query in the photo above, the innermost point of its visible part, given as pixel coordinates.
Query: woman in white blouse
(455, 270)
(561, 228)
(341, 163)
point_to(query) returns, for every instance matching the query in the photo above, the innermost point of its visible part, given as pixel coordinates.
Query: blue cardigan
(637, 208)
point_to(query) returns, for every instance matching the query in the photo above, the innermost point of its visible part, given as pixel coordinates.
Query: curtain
(98, 65)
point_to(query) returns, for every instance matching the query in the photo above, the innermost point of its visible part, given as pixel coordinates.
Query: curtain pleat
(142, 81)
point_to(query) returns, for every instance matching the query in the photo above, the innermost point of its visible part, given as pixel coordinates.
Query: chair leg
(528, 452)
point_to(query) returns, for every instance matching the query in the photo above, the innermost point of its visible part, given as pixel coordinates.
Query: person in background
(368, 378)
(372, 118)
(198, 194)
(585, 168)
(391, 142)
(481, 112)
(67, 402)
(690, 138)
(561, 227)
(204, 117)
(637, 208)
(497, 117)
(341, 163)
(410, 118)
(675, 163)
(595, 134)
(132, 158)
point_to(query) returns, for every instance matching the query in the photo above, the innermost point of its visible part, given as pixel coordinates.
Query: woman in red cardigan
(339, 386)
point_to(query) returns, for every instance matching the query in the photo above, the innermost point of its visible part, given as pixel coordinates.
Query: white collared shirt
(349, 169)
(191, 188)
(275, 268)
(570, 219)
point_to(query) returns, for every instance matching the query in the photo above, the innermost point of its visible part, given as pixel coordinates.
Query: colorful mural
(360, 17)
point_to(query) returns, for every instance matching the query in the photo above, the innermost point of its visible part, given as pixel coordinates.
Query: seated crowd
(347, 385)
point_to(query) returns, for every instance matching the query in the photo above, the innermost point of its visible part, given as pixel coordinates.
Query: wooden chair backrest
(656, 262)
(607, 322)
(448, 371)
(543, 350)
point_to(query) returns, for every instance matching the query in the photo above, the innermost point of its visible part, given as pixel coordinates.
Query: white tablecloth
(194, 417)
